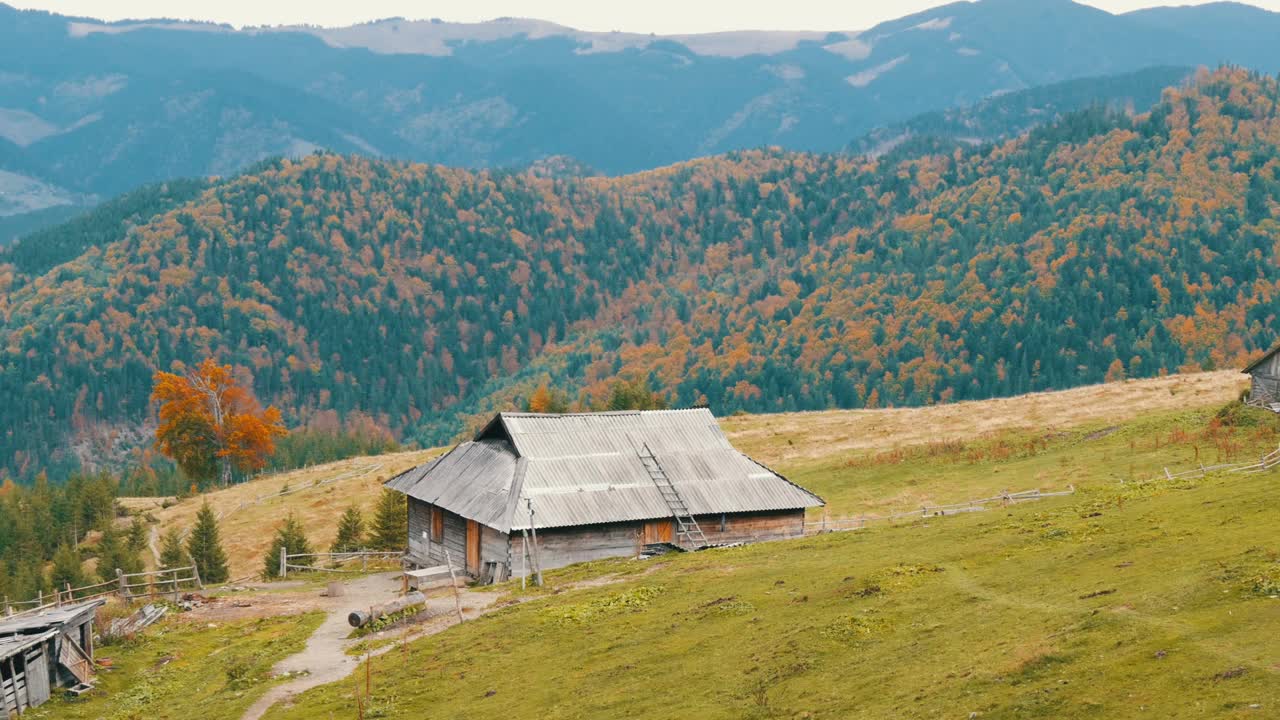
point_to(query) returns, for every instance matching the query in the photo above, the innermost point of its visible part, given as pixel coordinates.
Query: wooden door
(473, 548)
(658, 531)
(37, 676)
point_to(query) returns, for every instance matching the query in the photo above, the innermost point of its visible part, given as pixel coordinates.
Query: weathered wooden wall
(1266, 382)
(752, 527)
(426, 551)
(558, 547)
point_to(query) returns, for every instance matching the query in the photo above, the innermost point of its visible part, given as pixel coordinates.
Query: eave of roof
(1266, 356)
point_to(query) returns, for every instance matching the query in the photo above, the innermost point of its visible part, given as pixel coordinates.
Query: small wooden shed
(592, 486)
(1265, 373)
(42, 651)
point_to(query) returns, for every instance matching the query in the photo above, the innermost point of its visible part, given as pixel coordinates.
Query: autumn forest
(411, 299)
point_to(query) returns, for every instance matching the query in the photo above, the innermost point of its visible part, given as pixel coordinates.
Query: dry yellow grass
(792, 437)
(319, 496)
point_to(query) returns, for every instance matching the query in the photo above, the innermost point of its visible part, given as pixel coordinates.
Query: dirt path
(324, 659)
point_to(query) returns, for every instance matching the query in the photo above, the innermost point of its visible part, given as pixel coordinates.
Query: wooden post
(70, 596)
(195, 570)
(533, 529)
(124, 590)
(453, 581)
(284, 562)
(524, 559)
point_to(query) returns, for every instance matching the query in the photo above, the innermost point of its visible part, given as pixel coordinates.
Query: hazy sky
(660, 16)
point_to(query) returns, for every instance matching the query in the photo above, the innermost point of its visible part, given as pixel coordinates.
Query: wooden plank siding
(424, 549)
(558, 547)
(1265, 388)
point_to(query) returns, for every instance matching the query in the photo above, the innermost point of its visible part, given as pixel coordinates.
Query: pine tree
(137, 535)
(350, 531)
(67, 569)
(390, 529)
(205, 548)
(114, 554)
(290, 536)
(172, 554)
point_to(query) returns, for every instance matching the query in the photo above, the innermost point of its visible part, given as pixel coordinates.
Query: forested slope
(1100, 246)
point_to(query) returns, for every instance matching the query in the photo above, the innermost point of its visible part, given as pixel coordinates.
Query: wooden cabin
(591, 486)
(1265, 388)
(39, 652)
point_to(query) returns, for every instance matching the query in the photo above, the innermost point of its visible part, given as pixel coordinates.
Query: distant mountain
(1099, 246)
(90, 109)
(1012, 114)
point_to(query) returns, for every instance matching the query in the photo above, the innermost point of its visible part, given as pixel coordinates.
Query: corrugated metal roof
(473, 480)
(585, 469)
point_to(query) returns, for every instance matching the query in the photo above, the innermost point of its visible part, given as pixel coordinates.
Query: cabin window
(437, 525)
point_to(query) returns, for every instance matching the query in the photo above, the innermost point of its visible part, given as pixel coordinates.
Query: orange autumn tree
(209, 424)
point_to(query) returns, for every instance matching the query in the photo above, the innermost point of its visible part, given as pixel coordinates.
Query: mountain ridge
(762, 280)
(99, 113)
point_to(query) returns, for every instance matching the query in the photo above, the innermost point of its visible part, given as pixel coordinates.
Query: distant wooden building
(1265, 389)
(39, 652)
(591, 486)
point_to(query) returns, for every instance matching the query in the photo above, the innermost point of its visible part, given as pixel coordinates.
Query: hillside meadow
(1146, 598)
(1136, 596)
(855, 459)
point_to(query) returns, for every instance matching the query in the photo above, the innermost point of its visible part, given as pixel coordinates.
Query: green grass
(182, 671)
(1089, 456)
(1133, 599)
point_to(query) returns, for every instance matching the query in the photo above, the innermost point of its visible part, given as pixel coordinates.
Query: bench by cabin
(1264, 389)
(588, 486)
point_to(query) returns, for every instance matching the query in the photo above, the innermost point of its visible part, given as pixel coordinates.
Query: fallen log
(360, 618)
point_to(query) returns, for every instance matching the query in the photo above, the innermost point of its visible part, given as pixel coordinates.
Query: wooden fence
(335, 559)
(1266, 463)
(127, 586)
(827, 525)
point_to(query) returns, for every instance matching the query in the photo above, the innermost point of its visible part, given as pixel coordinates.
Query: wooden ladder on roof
(687, 530)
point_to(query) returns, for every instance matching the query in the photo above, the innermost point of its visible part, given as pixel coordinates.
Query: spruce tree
(172, 554)
(137, 535)
(205, 548)
(290, 536)
(390, 529)
(350, 531)
(67, 569)
(114, 554)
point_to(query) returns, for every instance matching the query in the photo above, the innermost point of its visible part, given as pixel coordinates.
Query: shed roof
(55, 618)
(14, 644)
(585, 469)
(1266, 356)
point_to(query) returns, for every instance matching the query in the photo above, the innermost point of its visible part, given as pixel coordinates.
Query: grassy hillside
(1134, 599)
(249, 513)
(860, 461)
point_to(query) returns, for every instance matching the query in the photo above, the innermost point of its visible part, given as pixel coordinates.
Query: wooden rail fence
(334, 559)
(127, 586)
(827, 525)
(1266, 463)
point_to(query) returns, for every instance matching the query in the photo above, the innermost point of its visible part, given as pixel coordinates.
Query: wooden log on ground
(360, 618)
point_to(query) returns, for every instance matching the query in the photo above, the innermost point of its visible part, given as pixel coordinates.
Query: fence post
(195, 570)
(124, 590)
(284, 561)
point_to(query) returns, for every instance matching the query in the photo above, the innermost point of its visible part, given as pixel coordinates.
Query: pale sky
(657, 16)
